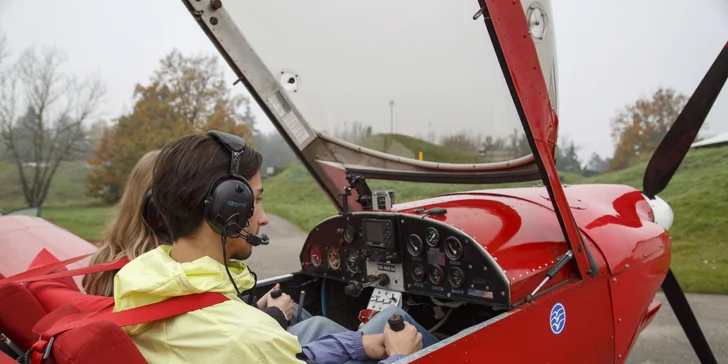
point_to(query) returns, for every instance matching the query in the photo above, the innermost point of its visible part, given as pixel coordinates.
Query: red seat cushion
(96, 342)
(45, 257)
(55, 293)
(19, 312)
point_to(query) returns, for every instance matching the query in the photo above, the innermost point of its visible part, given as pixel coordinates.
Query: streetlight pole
(391, 117)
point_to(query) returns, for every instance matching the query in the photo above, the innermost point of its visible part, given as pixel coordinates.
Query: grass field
(698, 195)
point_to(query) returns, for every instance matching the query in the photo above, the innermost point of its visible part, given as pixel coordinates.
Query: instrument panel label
(385, 267)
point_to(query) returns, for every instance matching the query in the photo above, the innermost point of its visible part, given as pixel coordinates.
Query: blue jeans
(314, 327)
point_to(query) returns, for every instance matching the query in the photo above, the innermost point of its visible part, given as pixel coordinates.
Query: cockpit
(452, 262)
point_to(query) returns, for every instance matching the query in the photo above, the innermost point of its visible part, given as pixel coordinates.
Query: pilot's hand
(263, 301)
(374, 346)
(284, 303)
(403, 342)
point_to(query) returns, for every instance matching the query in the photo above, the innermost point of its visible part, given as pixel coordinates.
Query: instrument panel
(419, 255)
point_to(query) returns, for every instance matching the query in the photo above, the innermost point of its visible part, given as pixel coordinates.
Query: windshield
(412, 79)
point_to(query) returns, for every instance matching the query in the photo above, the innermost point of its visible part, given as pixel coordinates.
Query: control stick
(276, 293)
(354, 288)
(396, 323)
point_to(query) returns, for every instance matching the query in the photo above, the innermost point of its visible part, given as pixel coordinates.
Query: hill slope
(698, 194)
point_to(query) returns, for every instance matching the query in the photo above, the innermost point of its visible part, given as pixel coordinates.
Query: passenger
(197, 262)
(128, 235)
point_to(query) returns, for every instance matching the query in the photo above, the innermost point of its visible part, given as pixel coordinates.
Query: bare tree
(354, 132)
(51, 129)
(461, 141)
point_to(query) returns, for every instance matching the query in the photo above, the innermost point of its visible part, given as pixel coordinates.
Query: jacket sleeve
(336, 348)
(339, 348)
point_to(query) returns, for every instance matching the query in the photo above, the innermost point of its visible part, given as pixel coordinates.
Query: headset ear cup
(230, 202)
(151, 214)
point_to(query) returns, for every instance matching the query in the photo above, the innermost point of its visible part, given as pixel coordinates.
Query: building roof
(717, 140)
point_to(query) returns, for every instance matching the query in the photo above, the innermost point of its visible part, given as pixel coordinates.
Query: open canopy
(389, 89)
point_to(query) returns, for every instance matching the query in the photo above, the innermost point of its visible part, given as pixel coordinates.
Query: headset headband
(234, 144)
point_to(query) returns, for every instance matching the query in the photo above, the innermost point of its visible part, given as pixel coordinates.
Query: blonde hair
(128, 235)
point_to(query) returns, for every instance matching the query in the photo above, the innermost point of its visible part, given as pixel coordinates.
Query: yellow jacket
(229, 332)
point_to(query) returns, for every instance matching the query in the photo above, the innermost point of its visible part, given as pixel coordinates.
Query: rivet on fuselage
(619, 320)
(485, 268)
(472, 286)
(503, 293)
(627, 266)
(614, 279)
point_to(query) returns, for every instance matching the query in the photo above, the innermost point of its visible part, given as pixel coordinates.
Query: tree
(275, 150)
(187, 94)
(52, 129)
(596, 165)
(567, 159)
(638, 129)
(355, 132)
(461, 141)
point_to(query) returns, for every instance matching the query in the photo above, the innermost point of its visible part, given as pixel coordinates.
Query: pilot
(196, 261)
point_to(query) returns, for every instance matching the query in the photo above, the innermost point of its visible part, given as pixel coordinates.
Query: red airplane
(551, 273)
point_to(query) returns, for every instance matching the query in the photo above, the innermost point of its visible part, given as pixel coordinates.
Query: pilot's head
(185, 171)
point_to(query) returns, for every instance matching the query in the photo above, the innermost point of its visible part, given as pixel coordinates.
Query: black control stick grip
(276, 293)
(396, 322)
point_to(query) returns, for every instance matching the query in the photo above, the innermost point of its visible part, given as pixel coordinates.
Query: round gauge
(334, 259)
(316, 257)
(456, 277)
(432, 236)
(453, 248)
(349, 234)
(352, 262)
(414, 245)
(418, 273)
(436, 275)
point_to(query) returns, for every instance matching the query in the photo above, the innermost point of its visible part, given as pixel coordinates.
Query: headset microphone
(256, 240)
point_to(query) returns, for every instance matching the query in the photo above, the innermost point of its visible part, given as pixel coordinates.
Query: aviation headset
(229, 202)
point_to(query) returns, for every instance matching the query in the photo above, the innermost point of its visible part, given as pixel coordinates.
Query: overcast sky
(609, 53)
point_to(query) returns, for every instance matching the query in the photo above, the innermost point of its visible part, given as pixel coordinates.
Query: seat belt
(157, 311)
(41, 273)
(44, 269)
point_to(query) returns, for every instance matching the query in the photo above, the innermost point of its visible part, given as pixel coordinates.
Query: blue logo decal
(236, 204)
(558, 318)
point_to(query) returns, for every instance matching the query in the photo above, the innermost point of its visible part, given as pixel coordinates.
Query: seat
(19, 312)
(95, 342)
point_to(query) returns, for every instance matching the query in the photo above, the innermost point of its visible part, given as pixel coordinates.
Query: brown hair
(128, 235)
(183, 174)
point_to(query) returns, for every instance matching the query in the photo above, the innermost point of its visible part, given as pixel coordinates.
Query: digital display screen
(374, 230)
(435, 257)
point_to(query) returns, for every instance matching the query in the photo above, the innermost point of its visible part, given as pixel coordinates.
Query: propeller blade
(687, 319)
(677, 141)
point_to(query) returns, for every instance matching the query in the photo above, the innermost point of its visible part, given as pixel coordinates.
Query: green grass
(66, 189)
(698, 195)
(87, 222)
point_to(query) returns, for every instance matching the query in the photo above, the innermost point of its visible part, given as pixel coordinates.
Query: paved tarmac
(663, 342)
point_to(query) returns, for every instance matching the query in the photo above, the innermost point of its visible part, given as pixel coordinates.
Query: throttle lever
(396, 323)
(354, 288)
